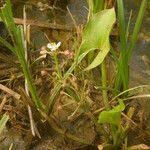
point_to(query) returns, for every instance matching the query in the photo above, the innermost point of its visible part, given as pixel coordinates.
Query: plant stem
(57, 66)
(107, 105)
(104, 85)
(57, 87)
(121, 82)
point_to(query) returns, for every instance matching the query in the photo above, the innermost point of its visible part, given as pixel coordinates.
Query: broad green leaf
(96, 36)
(112, 116)
(3, 121)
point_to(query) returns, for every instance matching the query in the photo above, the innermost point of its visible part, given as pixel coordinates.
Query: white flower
(53, 46)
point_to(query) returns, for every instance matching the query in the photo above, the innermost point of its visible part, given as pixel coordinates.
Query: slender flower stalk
(53, 47)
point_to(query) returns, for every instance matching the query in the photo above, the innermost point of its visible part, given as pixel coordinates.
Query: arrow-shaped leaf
(112, 116)
(96, 36)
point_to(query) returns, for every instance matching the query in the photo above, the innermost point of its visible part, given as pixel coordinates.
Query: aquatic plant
(18, 48)
(122, 77)
(96, 36)
(113, 115)
(96, 46)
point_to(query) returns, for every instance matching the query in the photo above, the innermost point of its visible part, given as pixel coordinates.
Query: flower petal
(58, 44)
(49, 45)
(53, 48)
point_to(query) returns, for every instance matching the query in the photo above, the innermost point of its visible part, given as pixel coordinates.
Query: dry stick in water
(9, 91)
(44, 24)
(3, 103)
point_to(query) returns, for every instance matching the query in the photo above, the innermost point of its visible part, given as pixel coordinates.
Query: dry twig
(9, 91)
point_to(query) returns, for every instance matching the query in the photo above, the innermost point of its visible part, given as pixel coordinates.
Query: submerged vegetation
(76, 78)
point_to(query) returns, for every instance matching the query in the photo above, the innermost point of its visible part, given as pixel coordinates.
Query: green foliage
(3, 122)
(112, 116)
(17, 36)
(96, 36)
(98, 5)
(95, 6)
(90, 42)
(122, 77)
(72, 93)
(137, 27)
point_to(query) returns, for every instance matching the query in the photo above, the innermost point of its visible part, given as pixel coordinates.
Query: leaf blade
(112, 116)
(96, 36)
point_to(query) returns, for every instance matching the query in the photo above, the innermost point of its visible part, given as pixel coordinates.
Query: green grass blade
(104, 84)
(8, 45)
(129, 90)
(58, 85)
(98, 5)
(137, 27)
(128, 26)
(17, 37)
(3, 122)
(121, 82)
(122, 30)
(114, 55)
(72, 93)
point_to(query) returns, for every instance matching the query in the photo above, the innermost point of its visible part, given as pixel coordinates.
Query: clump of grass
(122, 77)
(18, 48)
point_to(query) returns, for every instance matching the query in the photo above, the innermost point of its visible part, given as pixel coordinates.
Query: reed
(18, 38)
